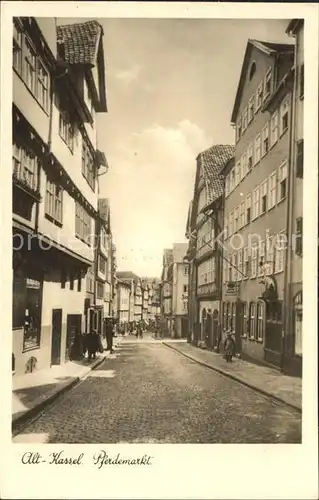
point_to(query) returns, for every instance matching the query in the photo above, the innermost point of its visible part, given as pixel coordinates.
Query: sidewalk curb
(234, 377)
(32, 412)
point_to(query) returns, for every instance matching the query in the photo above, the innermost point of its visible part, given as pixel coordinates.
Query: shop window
(245, 328)
(32, 317)
(261, 321)
(297, 323)
(252, 321)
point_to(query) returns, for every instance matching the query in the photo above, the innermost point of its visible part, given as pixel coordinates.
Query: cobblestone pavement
(148, 393)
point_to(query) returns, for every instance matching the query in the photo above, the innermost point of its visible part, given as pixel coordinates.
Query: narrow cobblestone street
(148, 393)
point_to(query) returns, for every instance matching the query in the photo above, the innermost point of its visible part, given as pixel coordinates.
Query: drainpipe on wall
(289, 217)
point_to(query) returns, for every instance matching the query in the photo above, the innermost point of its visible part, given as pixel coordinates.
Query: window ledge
(71, 149)
(83, 240)
(29, 349)
(53, 220)
(30, 91)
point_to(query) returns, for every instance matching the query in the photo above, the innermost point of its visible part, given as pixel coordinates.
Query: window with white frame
(53, 201)
(17, 47)
(245, 119)
(242, 215)
(259, 97)
(243, 165)
(270, 254)
(88, 168)
(225, 228)
(251, 104)
(261, 321)
(237, 173)
(232, 180)
(29, 66)
(236, 219)
(227, 185)
(42, 87)
(229, 268)
(25, 165)
(250, 157)
(99, 290)
(254, 258)
(245, 330)
(284, 115)
(261, 258)
(264, 196)
(238, 129)
(256, 202)
(267, 84)
(274, 129)
(83, 222)
(299, 237)
(280, 243)
(240, 265)
(234, 265)
(265, 140)
(248, 209)
(252, 321)
(257, 148)
(282, 181)
(247, 262)
(225, 270)
(231, 222)
(66, 128)
(272, 185)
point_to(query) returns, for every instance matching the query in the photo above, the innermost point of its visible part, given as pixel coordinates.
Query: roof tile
(211, 161)
(79, 42)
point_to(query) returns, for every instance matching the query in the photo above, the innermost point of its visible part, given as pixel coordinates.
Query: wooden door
(56, 336)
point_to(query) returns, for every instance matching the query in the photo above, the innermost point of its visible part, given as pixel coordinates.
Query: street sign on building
(232, 288)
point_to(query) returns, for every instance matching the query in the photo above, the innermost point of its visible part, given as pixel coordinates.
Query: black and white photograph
(158, 232)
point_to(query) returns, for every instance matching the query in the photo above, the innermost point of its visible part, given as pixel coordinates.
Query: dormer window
(252, 70)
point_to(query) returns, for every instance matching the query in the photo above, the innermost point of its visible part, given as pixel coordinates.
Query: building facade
(123, 302)
(205, 226)
(56, 95)
(256, 194)
(167, 291)
(294, 294)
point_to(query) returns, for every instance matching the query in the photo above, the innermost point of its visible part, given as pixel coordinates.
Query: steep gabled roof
(80, 42)
(211, 162)
(268, 48)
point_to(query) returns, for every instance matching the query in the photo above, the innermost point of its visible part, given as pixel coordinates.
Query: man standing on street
(109, 335)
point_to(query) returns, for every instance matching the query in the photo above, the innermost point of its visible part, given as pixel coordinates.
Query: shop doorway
(56, 336)
(73, 327)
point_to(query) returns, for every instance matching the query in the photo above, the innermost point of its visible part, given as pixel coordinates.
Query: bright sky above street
(171, 86)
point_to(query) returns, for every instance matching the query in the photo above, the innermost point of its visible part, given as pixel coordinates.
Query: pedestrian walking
(92, 343)
(229, 347)
(109, 335)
